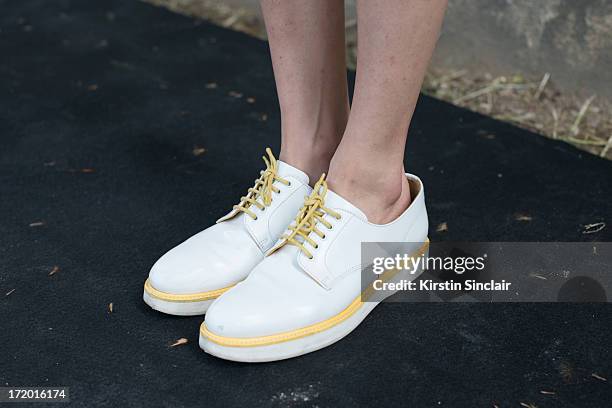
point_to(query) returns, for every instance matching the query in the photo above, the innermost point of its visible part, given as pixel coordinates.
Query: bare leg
(307, 46)
(395, 41)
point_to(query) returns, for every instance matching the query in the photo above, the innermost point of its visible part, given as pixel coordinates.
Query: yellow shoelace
(263, 188)
(311, 213)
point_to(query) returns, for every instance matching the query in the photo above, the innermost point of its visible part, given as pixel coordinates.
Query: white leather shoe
(190, 276)
(305, 294)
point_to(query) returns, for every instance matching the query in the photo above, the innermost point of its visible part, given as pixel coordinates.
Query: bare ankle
(382, 199)
(312, 160)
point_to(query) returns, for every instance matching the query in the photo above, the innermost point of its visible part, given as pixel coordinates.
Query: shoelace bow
(312, 212)
(263, 188)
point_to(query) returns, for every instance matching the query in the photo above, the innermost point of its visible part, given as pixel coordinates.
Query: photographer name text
(430, 285)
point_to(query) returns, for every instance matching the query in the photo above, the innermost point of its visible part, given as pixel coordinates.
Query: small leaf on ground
(180, 342)
(599, 377)
(86, 170)
(55, 270)
(198, 151)
(593, 228)
(545, 392)
(442, 227)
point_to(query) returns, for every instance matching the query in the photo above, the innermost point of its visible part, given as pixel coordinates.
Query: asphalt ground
(124, 129)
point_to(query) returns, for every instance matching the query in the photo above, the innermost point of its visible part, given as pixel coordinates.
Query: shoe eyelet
(255, 219)
(311, 257)
(324, 236)
(289, 185)
(316, 246)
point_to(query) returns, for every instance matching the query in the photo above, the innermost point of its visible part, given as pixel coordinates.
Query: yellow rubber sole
(191, 297)
(304, 331)
(282, 337)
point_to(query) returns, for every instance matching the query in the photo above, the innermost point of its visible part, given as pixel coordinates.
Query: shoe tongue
(334, 201)
(286, 170)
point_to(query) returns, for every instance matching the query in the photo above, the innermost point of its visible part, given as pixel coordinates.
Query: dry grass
(531, 103)
(236, 18)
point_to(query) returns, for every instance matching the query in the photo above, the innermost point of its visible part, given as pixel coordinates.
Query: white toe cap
(217, 257)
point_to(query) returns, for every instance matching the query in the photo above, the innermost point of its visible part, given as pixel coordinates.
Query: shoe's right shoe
(190, 276)
(307, 293)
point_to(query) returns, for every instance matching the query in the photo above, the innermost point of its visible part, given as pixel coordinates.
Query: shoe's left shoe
(186, 280)
(306, 294)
